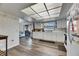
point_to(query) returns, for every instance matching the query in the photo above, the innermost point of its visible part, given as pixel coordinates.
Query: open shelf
(2, 53)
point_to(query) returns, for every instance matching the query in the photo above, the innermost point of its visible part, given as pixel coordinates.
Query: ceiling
(40, 12)
(14, 8)
(43, 11)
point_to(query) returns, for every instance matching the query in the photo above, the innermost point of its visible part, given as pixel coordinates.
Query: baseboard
(47, 40)
(13, 46)
(3, 49)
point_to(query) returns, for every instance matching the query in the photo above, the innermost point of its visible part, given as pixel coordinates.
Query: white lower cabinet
(46, 36)
(50, 36)
(60, 37)
(54, 37)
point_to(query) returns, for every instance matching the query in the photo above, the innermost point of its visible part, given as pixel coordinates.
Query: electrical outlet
(12, 40)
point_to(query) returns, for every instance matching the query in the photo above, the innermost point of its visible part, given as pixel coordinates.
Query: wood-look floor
(28, 47)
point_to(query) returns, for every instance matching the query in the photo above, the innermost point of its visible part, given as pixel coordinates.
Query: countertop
(76, 35)
(3, 37)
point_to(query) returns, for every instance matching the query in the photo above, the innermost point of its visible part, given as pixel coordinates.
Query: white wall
(64, 9)
(9, 26)
(21, 27)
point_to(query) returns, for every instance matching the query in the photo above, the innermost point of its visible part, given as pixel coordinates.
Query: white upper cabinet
(61, 24)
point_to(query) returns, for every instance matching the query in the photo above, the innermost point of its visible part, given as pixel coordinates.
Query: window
(50, 26)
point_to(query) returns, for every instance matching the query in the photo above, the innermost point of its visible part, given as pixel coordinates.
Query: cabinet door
(63, 25)
(37, 35)
(62, 38)
(50, 38)
(41, 35)
(59, 24)
(34, 35)
(54, 36)
(47, 36)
